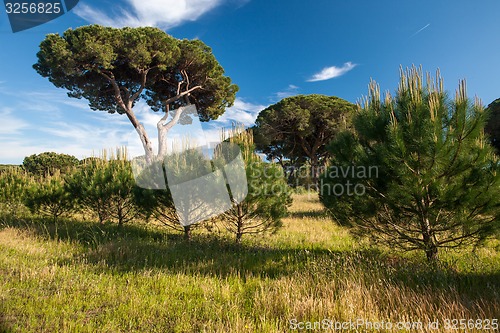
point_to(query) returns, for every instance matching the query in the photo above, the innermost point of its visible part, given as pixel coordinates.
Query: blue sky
(271, 49)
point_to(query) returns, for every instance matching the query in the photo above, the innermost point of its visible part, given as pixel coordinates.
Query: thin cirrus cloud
(291, 90)
(421, 29)
(241, 112)
(328, 73)
(11, 124)
(161, 13)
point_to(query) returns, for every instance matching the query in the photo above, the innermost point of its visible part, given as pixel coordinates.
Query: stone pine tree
(493, 124)
(437, 182)
(113, 69)
(49, 163)
(298, 128)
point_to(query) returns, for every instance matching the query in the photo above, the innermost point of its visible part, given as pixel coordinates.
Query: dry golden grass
(91, 278)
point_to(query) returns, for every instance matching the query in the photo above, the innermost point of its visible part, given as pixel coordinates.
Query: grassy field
(86, 277)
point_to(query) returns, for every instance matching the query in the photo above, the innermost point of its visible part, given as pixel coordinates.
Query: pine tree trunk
(314, 170)
(162, 142)
(239, 224)
(163, 130)
(143, 135)
(187, 232)
(430, 248)
(431, 253)
(239, 234)
(121, 216)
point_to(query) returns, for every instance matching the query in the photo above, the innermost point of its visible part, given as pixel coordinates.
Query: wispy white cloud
(161, 13)
(40, 121)
(420, 30)
(291, 90)
(49, 102)
(121, 17)
(44, 127)
(14, 150)
(332, 72)
(241, 112)
(10, 124)
(90, 134)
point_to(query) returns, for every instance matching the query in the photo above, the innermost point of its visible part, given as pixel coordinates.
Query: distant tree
(47, 195)
(7, 167)
(89, 160)
(49, 163)
(436, 182)
(115, 68)
(299, 127)
(493, 124)
(121, 186)
(105, 187)
(268, 193)
(88, 187)
(14, 182)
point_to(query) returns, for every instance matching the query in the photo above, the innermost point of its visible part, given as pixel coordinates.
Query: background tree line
(105, 189)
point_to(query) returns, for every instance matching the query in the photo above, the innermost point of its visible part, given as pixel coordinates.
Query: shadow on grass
(4, 327)
(137, 247)
(309, 214)
(134, 248)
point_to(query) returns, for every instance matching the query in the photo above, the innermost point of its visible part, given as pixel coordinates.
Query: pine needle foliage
(48, 196)
(105, 186)
(437, 183)
(268, 193)
(13, 184)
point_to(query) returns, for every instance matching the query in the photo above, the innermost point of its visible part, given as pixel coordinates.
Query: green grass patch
(86, 277)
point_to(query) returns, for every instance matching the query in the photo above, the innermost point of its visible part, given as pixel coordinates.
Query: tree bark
(430, 247)
(126, 102)
(239, 232)
(187, 232)
(239, 224)
(314, 169)
(163, 130)
(431, 253)
(146, 143)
